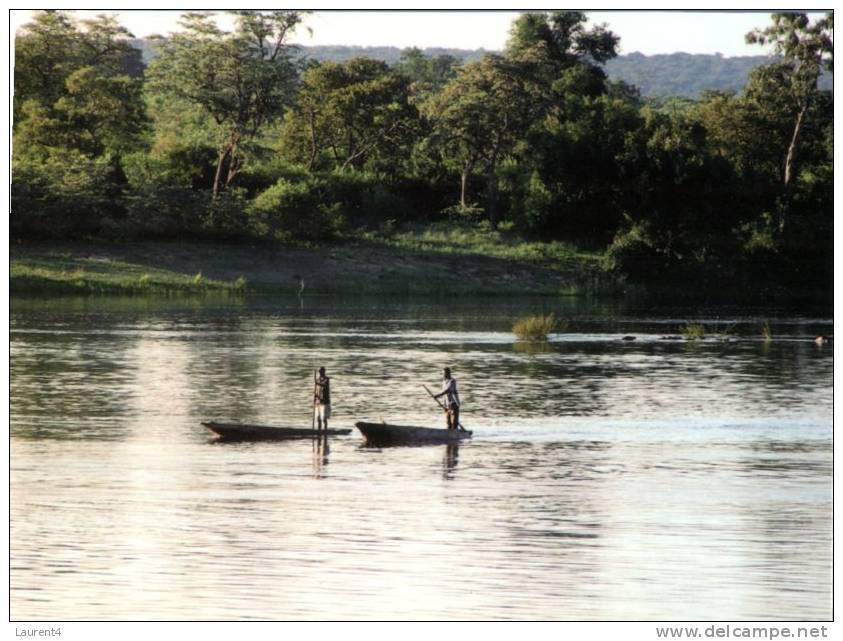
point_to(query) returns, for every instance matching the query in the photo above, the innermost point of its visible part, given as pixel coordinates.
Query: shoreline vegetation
(525, 172)
(437, 260)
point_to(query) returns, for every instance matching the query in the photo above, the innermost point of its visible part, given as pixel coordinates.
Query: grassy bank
(440, 260)
(72, 269)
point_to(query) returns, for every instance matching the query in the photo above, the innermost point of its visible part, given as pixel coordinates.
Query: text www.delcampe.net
(742, 632)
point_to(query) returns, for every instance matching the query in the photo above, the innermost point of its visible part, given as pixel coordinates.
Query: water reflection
(606, 479)
(321, 451)
(532, 347)
(450, 460)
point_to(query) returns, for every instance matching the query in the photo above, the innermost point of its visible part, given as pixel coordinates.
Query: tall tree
(349, 112)
(54, 46)
(480, 115)
(570, 146)
(567, 40)
(806, 50)
(77, 113)
(242, 79)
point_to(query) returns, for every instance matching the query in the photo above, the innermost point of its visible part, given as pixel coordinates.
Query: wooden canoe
(385, 434)
(240, 432)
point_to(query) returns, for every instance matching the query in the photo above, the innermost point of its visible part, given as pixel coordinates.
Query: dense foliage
(237, 135)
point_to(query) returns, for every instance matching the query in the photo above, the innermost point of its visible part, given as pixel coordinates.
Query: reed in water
(535, 328)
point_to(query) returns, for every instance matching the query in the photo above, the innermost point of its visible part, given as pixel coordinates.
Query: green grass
(480, 239)
(62, 273)
(535, 328)
(443, 260)
(527, 266)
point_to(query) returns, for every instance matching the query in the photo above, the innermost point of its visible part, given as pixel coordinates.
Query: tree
(577, 151)
(426, 74)
(567, 41)
(56, 57)
(46, 52)
(242, 79)
(77, 113)
(480, 115)
(577, 127)
(679, 205)
(806, 50)
(349, 112)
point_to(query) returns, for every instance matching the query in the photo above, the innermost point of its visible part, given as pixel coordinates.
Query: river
(616, 472)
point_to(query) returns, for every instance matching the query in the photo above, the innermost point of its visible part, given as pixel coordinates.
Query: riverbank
(441, 261)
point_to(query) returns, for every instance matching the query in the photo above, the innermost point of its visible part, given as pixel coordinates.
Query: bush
(693, 331)
(191, 166)
(227, 216)
(472, 212)
(381, 204)
(61, 192)
(634, 254)
(530, 202)
(296, 210)
(259, 175)
(534, 328)
(166, 210)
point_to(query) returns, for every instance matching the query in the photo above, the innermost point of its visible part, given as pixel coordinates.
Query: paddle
(442, 405)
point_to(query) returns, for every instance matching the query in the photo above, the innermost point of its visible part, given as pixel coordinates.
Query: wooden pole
(442, 405)
(313, 404)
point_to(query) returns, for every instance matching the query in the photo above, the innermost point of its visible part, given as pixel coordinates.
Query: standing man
(452, 399)
(322, 398)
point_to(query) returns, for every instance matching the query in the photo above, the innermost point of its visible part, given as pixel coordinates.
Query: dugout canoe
(386, 434)
(241, 432)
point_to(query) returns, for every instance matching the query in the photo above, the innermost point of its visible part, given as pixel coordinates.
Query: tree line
(659, 75)
(237, 135)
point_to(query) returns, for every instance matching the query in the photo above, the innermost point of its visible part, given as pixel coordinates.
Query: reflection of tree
(792, 528)
(551, 500)
(567, 379)
(68, 383)
(790, 372)
(224, 365)
(253, 362)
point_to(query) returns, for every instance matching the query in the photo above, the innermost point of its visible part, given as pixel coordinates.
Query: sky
(648, 32)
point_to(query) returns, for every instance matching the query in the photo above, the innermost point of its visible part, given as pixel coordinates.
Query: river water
(617, 472)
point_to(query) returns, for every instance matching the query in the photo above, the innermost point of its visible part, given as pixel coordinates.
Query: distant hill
(685, 74)
(390, 55)
(675, 74)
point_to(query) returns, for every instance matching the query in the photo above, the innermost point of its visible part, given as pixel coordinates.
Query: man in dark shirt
(322, 399)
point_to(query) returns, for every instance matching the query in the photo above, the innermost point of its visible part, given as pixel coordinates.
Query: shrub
(634, 253)
(191, 166)
(260, 175)
(472, 212)
(165, 210)
(227, 215)
(535, 328)
(693, 331)
(60, 192)
(296, 210)
(530, 201)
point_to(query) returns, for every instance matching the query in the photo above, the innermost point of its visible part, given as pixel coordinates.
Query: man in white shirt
(452, 400)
